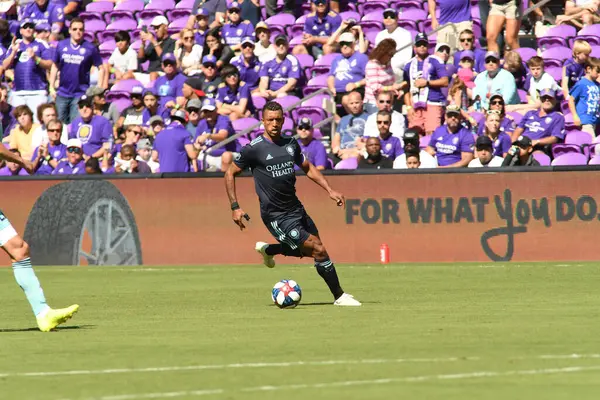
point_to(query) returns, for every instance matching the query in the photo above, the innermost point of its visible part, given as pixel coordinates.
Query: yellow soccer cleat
(52, 318)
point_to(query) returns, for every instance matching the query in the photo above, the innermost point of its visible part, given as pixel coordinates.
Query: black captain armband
(235, 206)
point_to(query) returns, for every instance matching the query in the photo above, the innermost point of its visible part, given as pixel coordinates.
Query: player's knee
(319, 251)
(19, 249)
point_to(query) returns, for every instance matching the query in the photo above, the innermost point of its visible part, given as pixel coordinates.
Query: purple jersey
(233, 34)
(316, 26)
(92, 134)
(66, 168)
(454, 11)
(391, 147)
(501, 144)
(507, 125)
(348, 70)
(169, 89)
(479, 62)
(222, 123)
(226, 95)
(28, 75)
(50, 14)
(3, 53)
(199, 38)
(574, 71)
(58, 152)
(315, 153)
(170, 145)
(74, 63)
(8, 120)
(248, 73)
(539, 127)
(279, 72)
(449, 146)
(436, 71)
(4, 171)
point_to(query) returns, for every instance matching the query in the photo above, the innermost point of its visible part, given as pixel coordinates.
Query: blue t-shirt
(92, 134)
(28, 75)
(538, 127)
(348, 70)
(248, 73)
(74, 63)
(222, 123)
(169, 89)
(586, 95)
(170, 145)
(350, 128)
(279, 72)
(233, 34)
(450, 146)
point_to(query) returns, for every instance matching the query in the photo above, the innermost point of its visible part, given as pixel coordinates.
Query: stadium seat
(372, 6)
(556, 37)
(314, 84)
(87, 16)
(424, 141)
(348, 163)
(526, 53)
(95, 26)
(517, 117)
(559, 53)
(542, 158)
(244, 123)
(100, 7)
(594, 161)
(570, 159)
(126, 85)
(283, 19)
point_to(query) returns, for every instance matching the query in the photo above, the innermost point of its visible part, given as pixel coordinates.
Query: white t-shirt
(546, 81)
(402, 37)
(190, 59)
(124, 62)
(264, 54)
(495, 162)
(397, 128)
(427, 161)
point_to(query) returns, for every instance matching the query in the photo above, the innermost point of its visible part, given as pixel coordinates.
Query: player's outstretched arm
(8, 155)
(317, 177)
(237, 214)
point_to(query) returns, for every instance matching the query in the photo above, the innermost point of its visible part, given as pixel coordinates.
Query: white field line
(233, 366)
(383, 381)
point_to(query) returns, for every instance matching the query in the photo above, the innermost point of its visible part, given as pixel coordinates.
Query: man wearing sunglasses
(391, 146)
(454, 12)
(45, 11)
(451, 143)
(495, 80)
(74, 164)
(193, 109)
(248, 64)
(47, 156)
(209, 80)
(169, 86)
(136, 114)
(466, 41)
(212, 129)
(384, 102)
(318, 27)
(93, 131)
(401, 36)
(313, 149)
(236, 29)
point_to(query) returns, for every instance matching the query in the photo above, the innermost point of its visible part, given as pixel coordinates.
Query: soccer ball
(286, 294)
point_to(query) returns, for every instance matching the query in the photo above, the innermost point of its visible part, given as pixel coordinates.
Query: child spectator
(573, 67)
(584, 98)
(514, 64)
(465, 71)
(538, 80)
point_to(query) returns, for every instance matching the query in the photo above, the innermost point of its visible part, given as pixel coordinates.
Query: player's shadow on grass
(62, 328)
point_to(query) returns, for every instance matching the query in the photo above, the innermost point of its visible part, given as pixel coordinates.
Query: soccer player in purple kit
(451, 143)
(169, 86)
(235, 29)
(271, 159)
(46, 12)
(248, 64)
(74, 59)
(94, 131)
(313, 149)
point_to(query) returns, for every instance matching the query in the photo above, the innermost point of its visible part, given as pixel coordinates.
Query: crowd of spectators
(144, 87)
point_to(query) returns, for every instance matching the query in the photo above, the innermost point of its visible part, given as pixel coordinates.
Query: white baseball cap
(159, 20)
(347, 37)
(74, 143)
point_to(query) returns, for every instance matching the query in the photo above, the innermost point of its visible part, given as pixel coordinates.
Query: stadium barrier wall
(425, 217)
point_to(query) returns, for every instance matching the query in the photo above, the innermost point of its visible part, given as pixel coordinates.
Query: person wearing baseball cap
(248, 63)
(484, 154)
(412, 139)
(236, 29)
(199, 24)
(312, 148)
(94, 131)
(134, 114)
(210, 78)
(465, 71)
(155, 44)
(452, 143)
(402, 37)
(263, 48)
(74, 164)
(174, 145)
(193, 109)
(424, 100)
(144, 153)
(44, 11)
(318, 27)
(279, 76)
(495, 80)
(170, 86)
(521, 154)
(101, 107)
(544, 126)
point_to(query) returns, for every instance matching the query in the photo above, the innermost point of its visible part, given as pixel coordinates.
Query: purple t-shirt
(436, 71)
(449, 146)
(65, 168)
(58, 152)
(538, 127)
(315, 153)
(479, 62)
(4, 171)
(28, 75)
(233, 34)
(3, 53)
(92, 134)
(391, 147)
(222, 123)
(8, 120)
(50, 14)
(347, 70)
(574, 71)
(507, 126)
(248, 73)
(74, 63)
(227, 96)
(169, 89)
(315, 26)
(279, 72)
(170, 145)
(454, 11)
(501, 145)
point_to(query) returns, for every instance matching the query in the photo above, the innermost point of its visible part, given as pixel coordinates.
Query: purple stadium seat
(578, 138)
(117, 15)
(100, 7)
(150, 14)
(570, 159)
(569, 125)
(413, 14)
(286, 101)
(559, 149)
(323, 64)
(295, 30)
(177, 13)
(526, 53)
(95, 26)
(376, 16)
(89, 36)
(301, 19)
(259, 102)
(122, 104)
(517, 117)
(522, 95)
(136, 45)
(403, 5)
(88, 16)
(595, 161)
(122, 25)
(281, 20)
(555, 72)
(315, 114)
(477, 116)
(108, 45)
(112, 96)
(130, 5)
(314, 84)
(189, 4)
(560, 53)
(595, 51)
(542, 158)
(179, 23)
(346, 15)
(372, 6)
(105, 55)
(371, 26)
(244, 123)
(106, 35)
(126, 85)
(162, 5)
(348, 163)
(556, 36)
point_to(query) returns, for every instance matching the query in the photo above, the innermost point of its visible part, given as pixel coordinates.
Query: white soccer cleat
(261, 248)
(347, 300)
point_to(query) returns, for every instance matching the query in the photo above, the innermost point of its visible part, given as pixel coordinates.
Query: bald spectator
(348, 140)
(374, 159)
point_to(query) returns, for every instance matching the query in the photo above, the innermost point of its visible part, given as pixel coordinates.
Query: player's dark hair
(77, 20)
(122, 36)
(272, 106)
(229, 70)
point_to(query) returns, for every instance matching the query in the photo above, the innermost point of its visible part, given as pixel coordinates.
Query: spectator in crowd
(127, 163)
(348, 141)
(579, 13)
(151, 103)
(584, 99)
(156, 124)
(20, 137)
(123, 61)
(360, 44)
(248, 64)
(46, 113)
(485, 154)
(42, 34)
(545, 126)
(155, 45)
(507, 123)
(503, 13)
(74, 164)
(199, 25)
(51, 151)
(45, 11)
(236, 29)
(402, 39)
(136, 113)
(207, 83)
(413, 160)
(13, 169)
(193, 109)
(379, 75)
(188, 53)
(30, 60)
(385, 100)
(7, 119)
(192, 89)
(173, 145)
(500, 140)
(279, 77)
(457, 13)
(144, 153)
(536, 81)
(264, 49)
(92, 166)
(521, 154)
(459, 95)
(74, 59)
(313, 149)
(92, 131)
(169, 86)
(214, 46)
(426, 77)
(374, 158)
(213, 129)
(318, 27)
(101, 107)
(133, 133)
(391, 146)
(467, 43)
(412, 144)
(233, 96)
(573, 68)
(495, 80)
(215, 9)
(451, 143)
(514, 64)
(347, 71)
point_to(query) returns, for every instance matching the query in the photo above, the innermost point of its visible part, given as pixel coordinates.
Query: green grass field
(528, 331)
